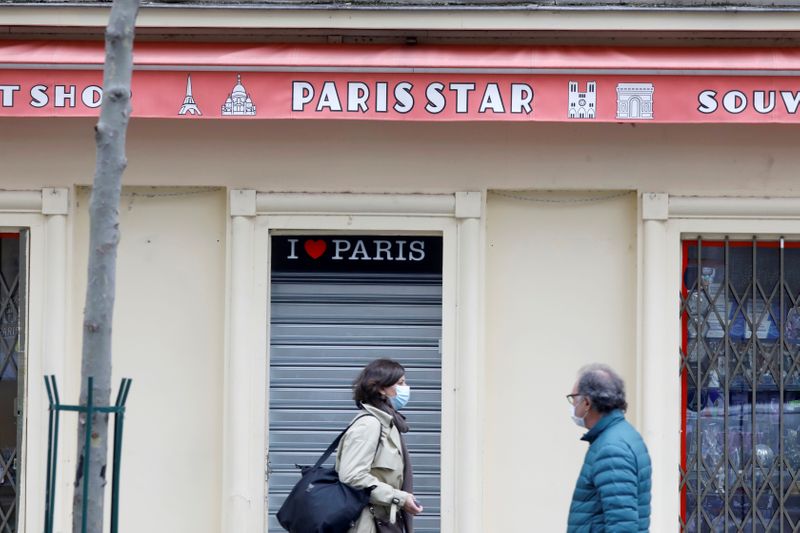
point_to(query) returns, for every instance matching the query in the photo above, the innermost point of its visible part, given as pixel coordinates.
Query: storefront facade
(494, 217)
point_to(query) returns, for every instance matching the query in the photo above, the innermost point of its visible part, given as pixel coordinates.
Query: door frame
(254, 217)
(44, 213)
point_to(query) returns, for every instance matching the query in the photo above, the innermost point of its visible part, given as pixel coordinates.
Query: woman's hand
(411, 506)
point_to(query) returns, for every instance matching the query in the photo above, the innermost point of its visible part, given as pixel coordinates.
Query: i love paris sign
(395, 254)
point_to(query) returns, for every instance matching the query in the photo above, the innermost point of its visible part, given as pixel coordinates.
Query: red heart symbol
(315, 248)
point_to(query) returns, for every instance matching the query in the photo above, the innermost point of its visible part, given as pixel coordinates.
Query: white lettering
(708, 102)
(360, 250)
(292, 249)
(383, 247)
(416, 251)
(521, 96)
(39, 96)
(760, 105)
(405, 100)
(8, 94)
(329, 98)
(734, 102)
(791, 101)
(462, 91)
(357, 96)
(92, 96)
(340, 246)
(63, 96)
(302, 94)
(436, 101)
(492, 99)
(401, 251)
(381, 97)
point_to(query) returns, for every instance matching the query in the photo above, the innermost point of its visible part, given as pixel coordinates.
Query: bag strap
(337, 440)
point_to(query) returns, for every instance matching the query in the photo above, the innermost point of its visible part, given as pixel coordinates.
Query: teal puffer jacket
(613, 490)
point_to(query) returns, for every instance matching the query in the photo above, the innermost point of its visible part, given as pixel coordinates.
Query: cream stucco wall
(561, 291)
(540, 259)
(168, 337)
(326, 156)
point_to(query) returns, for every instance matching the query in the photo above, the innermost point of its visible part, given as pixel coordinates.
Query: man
(612, 494)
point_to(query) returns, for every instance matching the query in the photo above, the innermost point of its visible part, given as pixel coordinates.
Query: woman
(373, 452)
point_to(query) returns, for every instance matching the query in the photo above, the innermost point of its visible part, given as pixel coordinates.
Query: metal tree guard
(56, 407)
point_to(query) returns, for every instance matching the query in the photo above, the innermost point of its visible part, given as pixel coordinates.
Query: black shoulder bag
(319, 502)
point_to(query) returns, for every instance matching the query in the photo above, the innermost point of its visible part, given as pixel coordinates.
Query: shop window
(740, 371)
(12, 299)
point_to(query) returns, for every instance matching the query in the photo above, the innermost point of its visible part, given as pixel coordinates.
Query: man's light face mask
(580, 421)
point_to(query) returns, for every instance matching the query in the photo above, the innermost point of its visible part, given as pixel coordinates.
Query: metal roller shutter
(325, 327)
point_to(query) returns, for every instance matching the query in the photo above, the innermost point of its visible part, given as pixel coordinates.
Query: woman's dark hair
(603, 387)
(377, 375)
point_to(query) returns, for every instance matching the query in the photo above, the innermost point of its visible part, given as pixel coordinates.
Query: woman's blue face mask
(403, 395)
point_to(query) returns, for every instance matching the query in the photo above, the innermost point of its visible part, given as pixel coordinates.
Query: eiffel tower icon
(189, 106)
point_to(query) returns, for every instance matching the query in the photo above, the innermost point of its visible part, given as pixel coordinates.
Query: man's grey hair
(604, 388)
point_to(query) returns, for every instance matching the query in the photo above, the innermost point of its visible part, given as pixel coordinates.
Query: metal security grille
(324, 328)
(740, 369)
(12, 286)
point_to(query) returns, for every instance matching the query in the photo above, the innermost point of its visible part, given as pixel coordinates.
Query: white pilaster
(469, 368)
(55, 206)
(659, 361)
(238, 500)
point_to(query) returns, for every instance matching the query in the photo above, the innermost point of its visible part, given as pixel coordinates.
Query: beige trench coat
(359, 466)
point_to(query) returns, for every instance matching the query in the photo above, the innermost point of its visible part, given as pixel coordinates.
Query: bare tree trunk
(110, 134)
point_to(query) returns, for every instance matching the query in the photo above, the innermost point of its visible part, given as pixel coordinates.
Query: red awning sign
(203, 82)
